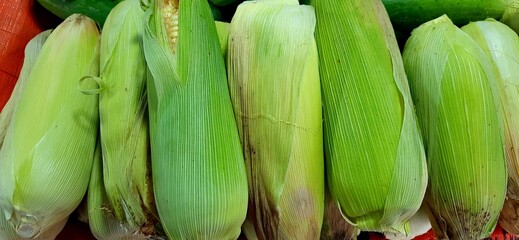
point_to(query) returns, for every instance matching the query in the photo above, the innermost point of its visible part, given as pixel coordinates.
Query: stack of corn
(457, 100)
(211, 157)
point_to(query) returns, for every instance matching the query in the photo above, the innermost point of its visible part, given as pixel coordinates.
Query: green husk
(123, 116)
(275, 88)
(46, 157)
(222, 28)
(501, 44)
(31, 53)
(101, 219)
(194, 137)
(457, 101)
(376, 165)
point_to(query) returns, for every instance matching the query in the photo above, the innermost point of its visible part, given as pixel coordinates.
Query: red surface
(20, 21)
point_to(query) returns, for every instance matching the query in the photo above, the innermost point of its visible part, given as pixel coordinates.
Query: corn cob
(46, 157)
(123, 117)
(274, 84)
(457, 102)
(376, 165)
(198, 171)
(501, 44)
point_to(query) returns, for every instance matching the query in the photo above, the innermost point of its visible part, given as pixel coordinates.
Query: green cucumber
(95, 9)
(408, 14)
(99, 9)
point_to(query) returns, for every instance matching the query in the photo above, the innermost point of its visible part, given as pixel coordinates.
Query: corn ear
(123, 116)
(457, 102)
(32, 49)
(102, 222)
(501, 44)
(46, 157)
(275, 88)
(194, 137)
(376, 165)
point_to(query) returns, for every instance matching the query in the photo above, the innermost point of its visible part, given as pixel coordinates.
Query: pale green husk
(47, 153)
(103, 224)
(124, 120)
(275, 88)
(30, 55)
(457, 102)
(198, 171)
(222, 28)
(501, 44)
(376, 166)
(7, 232)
